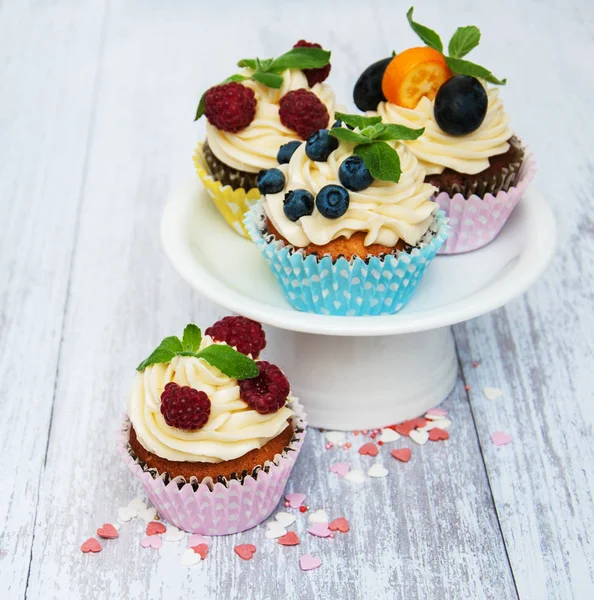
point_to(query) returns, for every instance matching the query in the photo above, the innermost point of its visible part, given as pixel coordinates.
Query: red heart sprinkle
(340, 524)
(245, 551)
(91, 545)
(437, 434)
(108, 531)
(402, 454)
(289, 539)
(154, 528)
(406, 427)
(368, 449)
(201, 549)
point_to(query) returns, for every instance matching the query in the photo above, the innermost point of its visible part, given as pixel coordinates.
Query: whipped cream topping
(255, 147)
(386, 211)
(437, 150)
(232, 430)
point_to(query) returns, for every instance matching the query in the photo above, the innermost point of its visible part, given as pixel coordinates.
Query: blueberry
(367, 93)
(336, 124)
(297, 204)
(286, 151)
(460, 105)
(332, 201)
(354, 175)
(270, 181)
(319, 145)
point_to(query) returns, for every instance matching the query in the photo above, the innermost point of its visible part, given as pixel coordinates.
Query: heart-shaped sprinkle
(500, 438)
(201, 550)
(492, 393)
(274, 530)
(355, 476)
(340, 524)
(437, 434)
(308, 562)
(245, 551)
(406, 427)
(436, 412)
(107, 531)
(318, 516)
(402, 454)
(289, 539)
(189, 558)
(148, 514)
(295, 500)
(335, 437)
(196, 539)
(152, 541)
(341, 469)
(419, 436)
(369, 449)
(320, 530)
(377, 470)
(285, 518)
(389, 435)
(155, 528)
(173, 534)
(126, 514)
(91, 545)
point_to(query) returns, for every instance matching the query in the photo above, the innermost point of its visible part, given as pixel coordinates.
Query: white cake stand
(360, 372)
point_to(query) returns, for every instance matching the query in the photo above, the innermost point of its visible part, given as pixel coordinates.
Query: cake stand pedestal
(360, 372)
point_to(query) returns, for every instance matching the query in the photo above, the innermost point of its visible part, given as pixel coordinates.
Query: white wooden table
(96, 130)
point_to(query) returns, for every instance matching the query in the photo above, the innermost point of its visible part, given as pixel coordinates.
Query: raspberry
(267, 392)
(245, 335)
(184, 407)
(303, 112)
(314, 75)
(230, 106)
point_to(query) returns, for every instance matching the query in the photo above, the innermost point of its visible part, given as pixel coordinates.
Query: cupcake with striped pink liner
(211, 433)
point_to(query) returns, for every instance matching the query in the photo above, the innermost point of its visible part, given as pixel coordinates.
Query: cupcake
(347, 225)
(252, 115)
(211, 433)
(468, 150)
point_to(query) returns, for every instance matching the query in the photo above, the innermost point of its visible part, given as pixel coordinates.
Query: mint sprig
(268, 71)
(462, 42)
(370, 136)
(226, 359)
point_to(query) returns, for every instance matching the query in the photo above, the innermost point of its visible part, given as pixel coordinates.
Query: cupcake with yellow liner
(211, 433)
(252, 115)
(468, 150)
(347, 226)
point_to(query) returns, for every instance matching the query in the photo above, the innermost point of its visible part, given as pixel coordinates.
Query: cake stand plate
(360, 372)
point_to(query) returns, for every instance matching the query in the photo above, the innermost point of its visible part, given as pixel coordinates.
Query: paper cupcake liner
(225, 506)
(232, 204)
(358, 287)
(476, 221)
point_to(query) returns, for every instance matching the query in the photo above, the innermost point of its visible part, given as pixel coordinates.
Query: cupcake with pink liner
(211, 433)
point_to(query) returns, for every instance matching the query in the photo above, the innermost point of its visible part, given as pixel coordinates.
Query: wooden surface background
(96, 130)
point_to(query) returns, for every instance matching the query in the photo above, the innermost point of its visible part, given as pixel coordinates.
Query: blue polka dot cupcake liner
(377, 286)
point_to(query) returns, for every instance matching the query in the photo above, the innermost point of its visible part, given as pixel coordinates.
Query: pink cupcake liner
(218, 508)
(477, 221)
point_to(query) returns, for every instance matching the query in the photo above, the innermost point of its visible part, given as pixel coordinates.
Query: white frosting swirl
(232, 429)
(255, 147)
(437, 150)
(386, 211)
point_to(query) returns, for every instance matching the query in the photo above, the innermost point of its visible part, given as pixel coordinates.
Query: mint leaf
(430, 37)
(164, 353)
(399, 132)
(200, 109)
(465, 67)
(301, 58)
(346, 135)
(357, 120)
(382, 161)
(229, 361)
(372, 131)
(250, 63)
(463, 41)
(271, 80)
(192, 339)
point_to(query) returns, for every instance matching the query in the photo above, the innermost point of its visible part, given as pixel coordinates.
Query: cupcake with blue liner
(347, 225)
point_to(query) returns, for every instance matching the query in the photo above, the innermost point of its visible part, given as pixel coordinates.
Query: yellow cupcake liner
(232, 204)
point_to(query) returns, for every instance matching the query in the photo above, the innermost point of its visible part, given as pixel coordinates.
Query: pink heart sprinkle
(320, 530)
(295, 500)
(196, 539)
(437, 412)
(341, 469)
(152, 541)
(369, 449)
(308, 562)
(91, 545)
(500, 438)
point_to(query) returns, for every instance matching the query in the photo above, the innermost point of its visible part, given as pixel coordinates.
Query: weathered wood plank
(48, 62)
